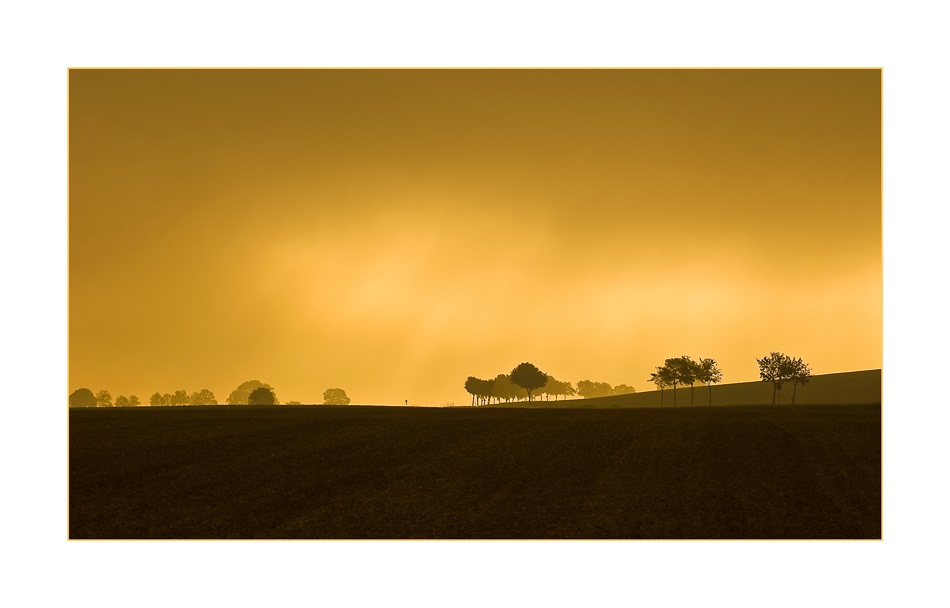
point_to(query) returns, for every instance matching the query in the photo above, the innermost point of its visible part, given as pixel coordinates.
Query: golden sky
(391, 232)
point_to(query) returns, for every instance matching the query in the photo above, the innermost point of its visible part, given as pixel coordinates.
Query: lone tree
(82, 397)
(262, 396)
(799, 373)
(528, 377)
(775, 368)
(709, 374)
(335, 396)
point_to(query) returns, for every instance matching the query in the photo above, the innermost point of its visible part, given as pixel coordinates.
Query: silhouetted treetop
(335, 396)
(261, 395)
(589, 389)
(82, 397)
(709, 374)
(240, 395)
(779, 368)
(103, 399)
(528, 377)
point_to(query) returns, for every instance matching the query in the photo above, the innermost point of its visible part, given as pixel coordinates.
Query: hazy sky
(393, 232)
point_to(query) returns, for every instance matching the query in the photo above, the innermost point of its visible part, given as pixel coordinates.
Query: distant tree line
(523, 380)
(685, 371)
(252, 392)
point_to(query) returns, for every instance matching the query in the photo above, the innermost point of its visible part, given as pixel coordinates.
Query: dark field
(464, 473)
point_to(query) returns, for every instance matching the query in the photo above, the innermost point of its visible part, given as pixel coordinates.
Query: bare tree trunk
(710, 393)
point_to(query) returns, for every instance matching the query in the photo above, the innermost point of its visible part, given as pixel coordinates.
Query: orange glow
(391, 232)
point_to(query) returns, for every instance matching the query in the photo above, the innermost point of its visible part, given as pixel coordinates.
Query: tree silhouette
(557, 388)
(774, 368)
(239, 396)
(799, 373)
(157, 399)
(528, 377)
(591, 390)
(82, 397)
(684, 371)
(623, 389)
(335, 396)
(103, 399)
(261, 396)
(678, 371)
(709, 374)
(503, 388)
(179, 398)
(121, 401)
(485, 389)
(133, 400)
(203, 397)
(662, 378)
(471, 387)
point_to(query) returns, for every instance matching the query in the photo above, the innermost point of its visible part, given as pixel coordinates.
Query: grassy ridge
(388, 472)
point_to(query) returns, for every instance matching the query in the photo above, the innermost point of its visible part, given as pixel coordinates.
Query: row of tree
(686, 371)
(252, 392)
(526, 378)
(777, 368)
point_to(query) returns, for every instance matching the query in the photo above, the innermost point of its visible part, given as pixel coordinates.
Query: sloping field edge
(845, 388)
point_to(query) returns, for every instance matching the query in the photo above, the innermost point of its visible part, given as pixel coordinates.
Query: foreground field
(388, 472)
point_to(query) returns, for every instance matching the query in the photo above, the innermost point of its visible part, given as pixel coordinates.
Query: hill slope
(826, 389)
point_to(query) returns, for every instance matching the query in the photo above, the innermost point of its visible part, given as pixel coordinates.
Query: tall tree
(82, 397)
(679, 371)
(799, 373)
(774, 368)
(528, 377)
(685, 370)
(709, 374)
(662, 378)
